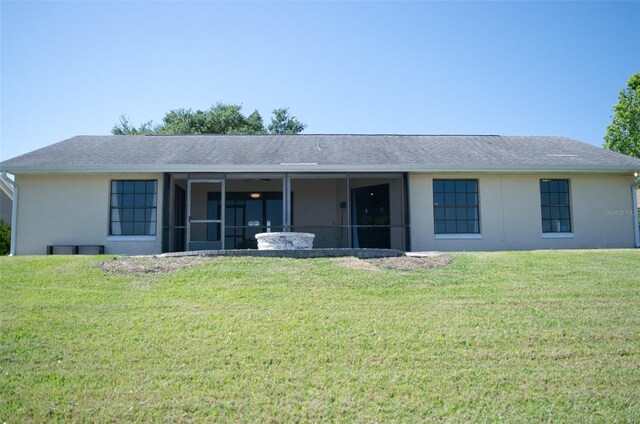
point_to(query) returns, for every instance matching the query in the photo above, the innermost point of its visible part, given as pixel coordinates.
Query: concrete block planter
(285, 241)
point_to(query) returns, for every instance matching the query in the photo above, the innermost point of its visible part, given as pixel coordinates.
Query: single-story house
(154, 194)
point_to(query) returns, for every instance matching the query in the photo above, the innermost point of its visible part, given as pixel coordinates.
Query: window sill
(458, 236)
(131, 238)
(557, 235)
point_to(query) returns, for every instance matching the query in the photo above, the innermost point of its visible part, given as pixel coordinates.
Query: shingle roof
(227, 153)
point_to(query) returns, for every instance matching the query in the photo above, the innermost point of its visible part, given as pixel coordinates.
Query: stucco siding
(63, 209)
(66, 209)
(510, 213)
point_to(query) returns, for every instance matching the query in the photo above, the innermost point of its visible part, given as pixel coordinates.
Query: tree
(125, 128)
(221, 118)
(5, 238)
(623, 135)
(283, 123)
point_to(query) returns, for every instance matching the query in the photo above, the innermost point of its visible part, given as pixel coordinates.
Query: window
(455, 207)
(133, 207)
(554, 199)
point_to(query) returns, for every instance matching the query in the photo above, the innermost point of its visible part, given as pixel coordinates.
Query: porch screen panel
(204, 215)
(377, 211)
(254, 204)
(319, 206)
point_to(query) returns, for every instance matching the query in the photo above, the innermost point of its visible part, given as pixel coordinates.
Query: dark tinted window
(455, 207)
(554, 200)
(133, 208)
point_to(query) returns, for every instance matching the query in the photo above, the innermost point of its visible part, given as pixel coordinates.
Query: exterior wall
(510, 213)
(68, 209)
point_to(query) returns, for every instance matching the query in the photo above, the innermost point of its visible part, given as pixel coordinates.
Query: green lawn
(508, 337)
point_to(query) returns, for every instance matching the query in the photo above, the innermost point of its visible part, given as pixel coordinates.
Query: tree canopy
(623, 134)
(221, 118)
(283, 123)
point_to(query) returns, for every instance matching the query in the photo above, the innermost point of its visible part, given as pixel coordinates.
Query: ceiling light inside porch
(255, 195)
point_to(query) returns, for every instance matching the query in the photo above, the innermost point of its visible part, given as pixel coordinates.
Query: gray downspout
(14, 219)
(636, 229)
(14, 213)
(407, 212)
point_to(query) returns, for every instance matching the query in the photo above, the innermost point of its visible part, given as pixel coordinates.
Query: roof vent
(298, 163)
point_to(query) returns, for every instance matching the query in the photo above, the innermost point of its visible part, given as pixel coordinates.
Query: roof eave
(93, 169)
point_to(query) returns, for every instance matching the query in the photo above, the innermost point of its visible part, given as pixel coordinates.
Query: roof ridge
(329, 134)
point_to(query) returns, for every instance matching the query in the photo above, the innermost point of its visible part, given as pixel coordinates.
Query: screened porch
(226, 211)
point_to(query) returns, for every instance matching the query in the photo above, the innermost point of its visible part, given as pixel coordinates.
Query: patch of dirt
(355, 263)
(148, 264)
(160, 265)
(410, 263)
(401, 263)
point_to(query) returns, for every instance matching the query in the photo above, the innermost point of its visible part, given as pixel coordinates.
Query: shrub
(5, 238)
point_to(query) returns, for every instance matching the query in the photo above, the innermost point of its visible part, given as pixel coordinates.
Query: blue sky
(512, 68)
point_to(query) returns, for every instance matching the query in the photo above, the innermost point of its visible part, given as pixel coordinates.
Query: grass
(509, 337)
